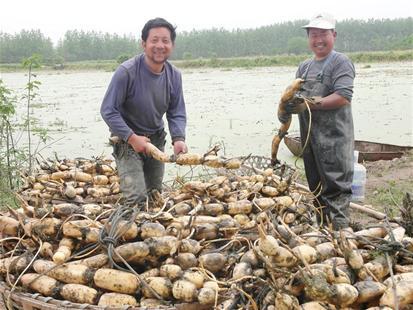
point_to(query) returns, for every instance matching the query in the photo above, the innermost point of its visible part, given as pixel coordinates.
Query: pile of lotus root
(229, 241)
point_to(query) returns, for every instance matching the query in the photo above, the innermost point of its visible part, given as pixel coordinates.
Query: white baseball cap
(322, 21)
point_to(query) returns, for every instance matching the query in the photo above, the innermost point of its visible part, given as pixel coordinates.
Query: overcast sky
(55, 17)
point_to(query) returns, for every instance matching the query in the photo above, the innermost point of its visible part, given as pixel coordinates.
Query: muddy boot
(339, 224)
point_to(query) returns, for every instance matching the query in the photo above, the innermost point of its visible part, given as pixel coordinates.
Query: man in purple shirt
(142, 90)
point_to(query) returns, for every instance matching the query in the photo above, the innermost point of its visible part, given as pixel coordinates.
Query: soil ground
(387, 183)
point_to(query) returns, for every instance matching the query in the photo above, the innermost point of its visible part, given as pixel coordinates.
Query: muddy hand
(283, 117)
(180, 147)
(314, 102)
(138, 143)
(296, 105)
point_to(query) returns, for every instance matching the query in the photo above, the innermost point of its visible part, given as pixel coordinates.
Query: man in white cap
(328, 157)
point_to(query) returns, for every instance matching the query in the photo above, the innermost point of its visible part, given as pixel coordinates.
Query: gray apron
(328, 156)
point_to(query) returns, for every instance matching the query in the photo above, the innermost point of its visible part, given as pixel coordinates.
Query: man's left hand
(180, 147)
(316, 100)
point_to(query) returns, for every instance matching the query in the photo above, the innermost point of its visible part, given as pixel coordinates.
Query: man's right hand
(295, 106)
(138, 143)
(283, 117)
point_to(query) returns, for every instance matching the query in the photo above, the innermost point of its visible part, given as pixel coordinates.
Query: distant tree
(15, 48)
(79, 45)
(280, 38)
(353, 35)
(58, 60)
(187, 56)
(297, 45)
(406, 43)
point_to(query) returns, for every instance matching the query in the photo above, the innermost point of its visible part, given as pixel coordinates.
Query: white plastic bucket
(358, 186)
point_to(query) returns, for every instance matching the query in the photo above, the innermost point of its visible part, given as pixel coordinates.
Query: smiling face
(321, 41)
(157, 48)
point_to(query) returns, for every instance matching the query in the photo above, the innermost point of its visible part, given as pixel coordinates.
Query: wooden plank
(368, 151)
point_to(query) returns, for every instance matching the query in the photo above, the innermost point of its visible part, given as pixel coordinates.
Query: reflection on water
(233, 107)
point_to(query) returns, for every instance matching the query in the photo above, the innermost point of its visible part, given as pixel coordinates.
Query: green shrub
(123, 58)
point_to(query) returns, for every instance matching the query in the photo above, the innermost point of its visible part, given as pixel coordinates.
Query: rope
(307, 139)
(108, 239)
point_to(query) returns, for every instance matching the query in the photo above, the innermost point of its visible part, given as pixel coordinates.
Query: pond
(233, 107)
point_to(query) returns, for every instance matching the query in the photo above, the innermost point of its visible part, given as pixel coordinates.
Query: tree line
(276, 39)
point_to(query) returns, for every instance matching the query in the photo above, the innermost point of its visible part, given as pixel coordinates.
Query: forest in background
(277, 39)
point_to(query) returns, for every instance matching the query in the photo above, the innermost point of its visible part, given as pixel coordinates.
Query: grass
(395, 182)
(390, 196)
(7, 196)
(242, 62)
(227, 63)
(290, 60)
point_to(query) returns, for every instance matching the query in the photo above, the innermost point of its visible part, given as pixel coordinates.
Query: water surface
(236, 108)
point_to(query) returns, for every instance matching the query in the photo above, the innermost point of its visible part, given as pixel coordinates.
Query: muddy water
(235, 108)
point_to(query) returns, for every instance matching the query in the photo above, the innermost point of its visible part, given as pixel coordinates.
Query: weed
(390, 196)
(15, 160)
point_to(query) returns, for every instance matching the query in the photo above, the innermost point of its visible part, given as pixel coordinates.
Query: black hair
(156, 23)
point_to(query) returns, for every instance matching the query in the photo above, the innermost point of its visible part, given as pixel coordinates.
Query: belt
(156, 133)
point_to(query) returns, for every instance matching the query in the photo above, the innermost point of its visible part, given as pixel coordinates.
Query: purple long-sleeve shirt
(137, 99)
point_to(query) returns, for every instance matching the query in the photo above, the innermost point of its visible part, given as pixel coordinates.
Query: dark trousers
(139, 174)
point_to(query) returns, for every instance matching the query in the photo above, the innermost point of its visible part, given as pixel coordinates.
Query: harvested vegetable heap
(230, 241)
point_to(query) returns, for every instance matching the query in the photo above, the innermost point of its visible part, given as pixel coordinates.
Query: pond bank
(215, 62)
